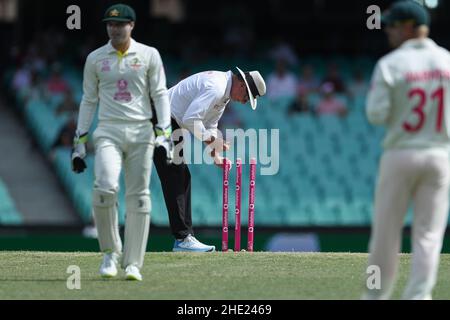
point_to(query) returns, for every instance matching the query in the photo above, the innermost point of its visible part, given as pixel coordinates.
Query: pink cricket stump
(226, 174)
(251, 205)
(237, 225)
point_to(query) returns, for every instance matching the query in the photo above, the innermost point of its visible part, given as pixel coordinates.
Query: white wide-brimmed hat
(256, 86)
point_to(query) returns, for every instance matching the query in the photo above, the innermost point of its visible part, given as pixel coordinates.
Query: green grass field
(179, 276)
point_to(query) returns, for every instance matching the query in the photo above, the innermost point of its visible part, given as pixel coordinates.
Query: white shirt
(122, 85)
(285, 86)
(410, 95)
(198, 102)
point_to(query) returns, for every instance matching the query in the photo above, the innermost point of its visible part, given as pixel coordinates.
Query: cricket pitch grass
(187, 276)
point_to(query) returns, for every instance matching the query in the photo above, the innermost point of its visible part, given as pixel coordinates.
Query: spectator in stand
(27, 84)
(22, 78)
(36, 58)
(333, 76)
(330, 104)
(308, 81)
(36, 89)
(358, 87)
(300, 104)
(68, 105)
(56, 83)
(281, 82)
(284, 51)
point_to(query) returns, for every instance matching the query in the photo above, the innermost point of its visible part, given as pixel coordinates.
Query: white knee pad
(136, 230)
(103, 198)
(138, 204)
(106, 220)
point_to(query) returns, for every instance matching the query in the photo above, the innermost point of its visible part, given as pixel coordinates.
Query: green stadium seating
(328, 165)
(8, 212)
(44, 123)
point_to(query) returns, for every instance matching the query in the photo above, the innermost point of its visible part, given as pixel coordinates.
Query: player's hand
(225, 145)
(219, 161)
(164, 139)
(79, 152)
(218, 144)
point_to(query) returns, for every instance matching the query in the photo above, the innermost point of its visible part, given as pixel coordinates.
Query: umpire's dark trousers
(176, 186)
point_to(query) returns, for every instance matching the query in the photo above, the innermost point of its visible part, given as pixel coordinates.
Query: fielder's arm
(158, 93)
(158, 89)
(86, 115)
(89, 100)
(378, 103)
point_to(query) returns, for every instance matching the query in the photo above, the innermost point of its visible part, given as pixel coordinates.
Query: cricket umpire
(409, 95)
(121, 77)
(197, 103)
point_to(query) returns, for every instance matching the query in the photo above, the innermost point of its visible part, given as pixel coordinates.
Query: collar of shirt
(131, 49)
(424, 42)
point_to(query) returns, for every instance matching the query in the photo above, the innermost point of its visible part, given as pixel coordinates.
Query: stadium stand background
(328, 163)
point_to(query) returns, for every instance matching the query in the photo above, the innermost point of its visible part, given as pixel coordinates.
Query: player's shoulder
(141, 47)
(215, 81)
(391, 57)
(95, 54)
(439, 53)
(405, 51)
(443, 52)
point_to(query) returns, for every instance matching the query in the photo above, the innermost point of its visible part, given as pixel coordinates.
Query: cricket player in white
(121, 77)
(197, 104)
(410, 94)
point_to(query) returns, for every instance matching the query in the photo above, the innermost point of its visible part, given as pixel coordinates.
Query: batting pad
(106, 220)
(137, 224)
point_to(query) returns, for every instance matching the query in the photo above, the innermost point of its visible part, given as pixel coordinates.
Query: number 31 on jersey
(438, 96)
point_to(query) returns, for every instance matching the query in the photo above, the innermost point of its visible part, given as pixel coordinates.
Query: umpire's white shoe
(132, 273)
(108, 269)
(190, 244)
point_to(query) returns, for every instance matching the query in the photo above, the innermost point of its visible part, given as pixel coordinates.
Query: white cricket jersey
(198, 102)
(122, 84)
(410, 95)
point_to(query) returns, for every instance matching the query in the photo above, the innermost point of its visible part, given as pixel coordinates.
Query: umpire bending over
(197, 103)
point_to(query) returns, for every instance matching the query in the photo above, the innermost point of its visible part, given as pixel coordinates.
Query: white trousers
(127, 145)
(420, 176)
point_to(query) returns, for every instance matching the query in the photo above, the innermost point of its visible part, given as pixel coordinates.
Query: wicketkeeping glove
(163, 139)
(79, 152)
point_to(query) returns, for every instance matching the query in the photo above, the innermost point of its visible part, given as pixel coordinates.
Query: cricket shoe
(108, 269)
(132, 273)
(190, 244)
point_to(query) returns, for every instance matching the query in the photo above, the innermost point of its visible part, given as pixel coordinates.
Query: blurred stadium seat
(8, 212)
